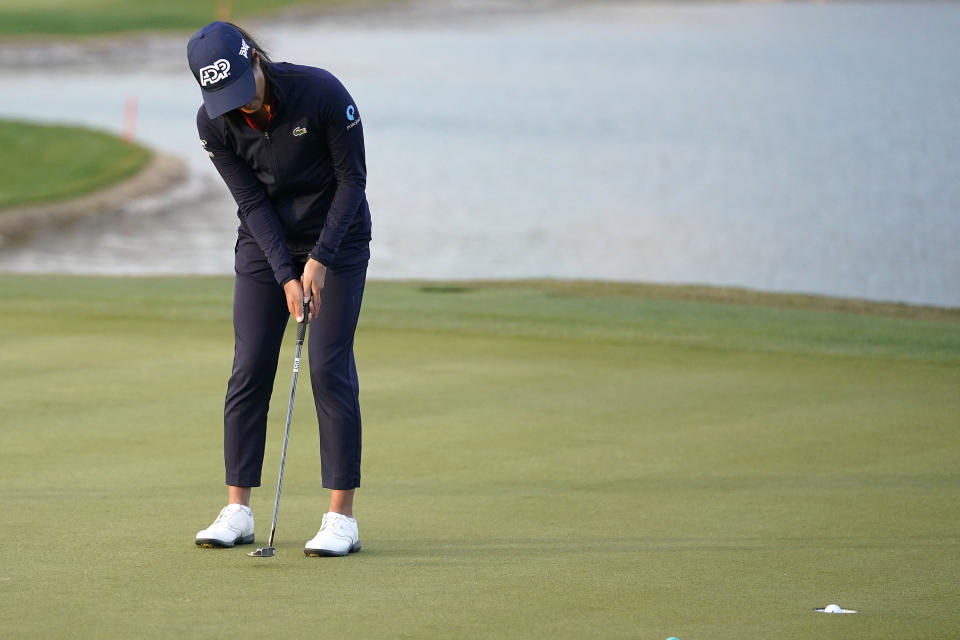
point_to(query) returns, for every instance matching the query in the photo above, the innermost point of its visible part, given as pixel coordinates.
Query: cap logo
(244, 48)
(214, 73)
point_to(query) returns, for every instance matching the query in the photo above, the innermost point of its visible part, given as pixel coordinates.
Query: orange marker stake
(130, 119)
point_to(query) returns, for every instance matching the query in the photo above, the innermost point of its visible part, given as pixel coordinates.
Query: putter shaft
(286, 438)
(269, 551)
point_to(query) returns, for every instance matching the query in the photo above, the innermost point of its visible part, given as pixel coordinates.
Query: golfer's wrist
(318, 255)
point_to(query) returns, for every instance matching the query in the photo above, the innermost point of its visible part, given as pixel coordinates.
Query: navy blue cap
(219, 57)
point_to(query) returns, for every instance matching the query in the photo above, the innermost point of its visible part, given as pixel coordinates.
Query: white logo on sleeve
(244, 48)
(214, 73)
(352, 117)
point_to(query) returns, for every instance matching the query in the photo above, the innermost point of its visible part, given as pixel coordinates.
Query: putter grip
(302, 326)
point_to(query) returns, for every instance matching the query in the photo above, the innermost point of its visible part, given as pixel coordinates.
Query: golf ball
(832, 608)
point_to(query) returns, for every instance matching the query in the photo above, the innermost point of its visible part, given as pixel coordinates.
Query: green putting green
(43, 163)
(541, 460)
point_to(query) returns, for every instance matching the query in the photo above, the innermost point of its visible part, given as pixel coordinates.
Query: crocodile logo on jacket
(299, 131)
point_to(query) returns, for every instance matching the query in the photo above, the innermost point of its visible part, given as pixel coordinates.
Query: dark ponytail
(253, 43)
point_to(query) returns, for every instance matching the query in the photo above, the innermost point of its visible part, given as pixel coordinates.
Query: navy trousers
(259, 319)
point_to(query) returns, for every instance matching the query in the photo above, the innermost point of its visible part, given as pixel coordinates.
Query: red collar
(270, 104)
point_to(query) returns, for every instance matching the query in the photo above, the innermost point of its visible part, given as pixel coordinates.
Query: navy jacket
(301, 183)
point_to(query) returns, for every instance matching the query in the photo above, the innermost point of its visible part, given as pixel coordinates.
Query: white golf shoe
(233, 526)
(338, 536)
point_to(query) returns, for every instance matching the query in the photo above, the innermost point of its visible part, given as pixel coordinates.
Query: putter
(269, 551)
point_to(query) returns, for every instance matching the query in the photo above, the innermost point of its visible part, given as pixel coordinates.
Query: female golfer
(288, 142)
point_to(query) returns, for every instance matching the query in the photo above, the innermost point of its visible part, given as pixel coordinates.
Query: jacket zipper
(273, 163)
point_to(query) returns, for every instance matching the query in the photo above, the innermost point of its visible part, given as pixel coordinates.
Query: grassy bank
(86, 17)
(540, 461)
(49, 163)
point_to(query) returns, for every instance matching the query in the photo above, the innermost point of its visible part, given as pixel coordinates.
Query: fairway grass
(540, 461)
(89, 17)
(44, 163)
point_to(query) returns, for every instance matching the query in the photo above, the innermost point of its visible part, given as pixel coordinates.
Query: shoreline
(135, 48)
(161, 173)
(559, 287)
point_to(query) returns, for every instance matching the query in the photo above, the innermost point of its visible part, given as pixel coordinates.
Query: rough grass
(540, 461)
(87, 17)
(47, 163)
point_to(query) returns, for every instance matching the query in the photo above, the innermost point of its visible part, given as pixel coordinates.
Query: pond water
(786, 147)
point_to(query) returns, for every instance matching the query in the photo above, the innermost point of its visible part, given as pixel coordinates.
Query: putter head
(265, 552)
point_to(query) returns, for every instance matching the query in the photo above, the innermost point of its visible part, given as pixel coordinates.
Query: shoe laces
(332, 522)
(225, 514)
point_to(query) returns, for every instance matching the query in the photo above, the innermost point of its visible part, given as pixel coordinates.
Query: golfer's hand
(314, 273)
(294, 292)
